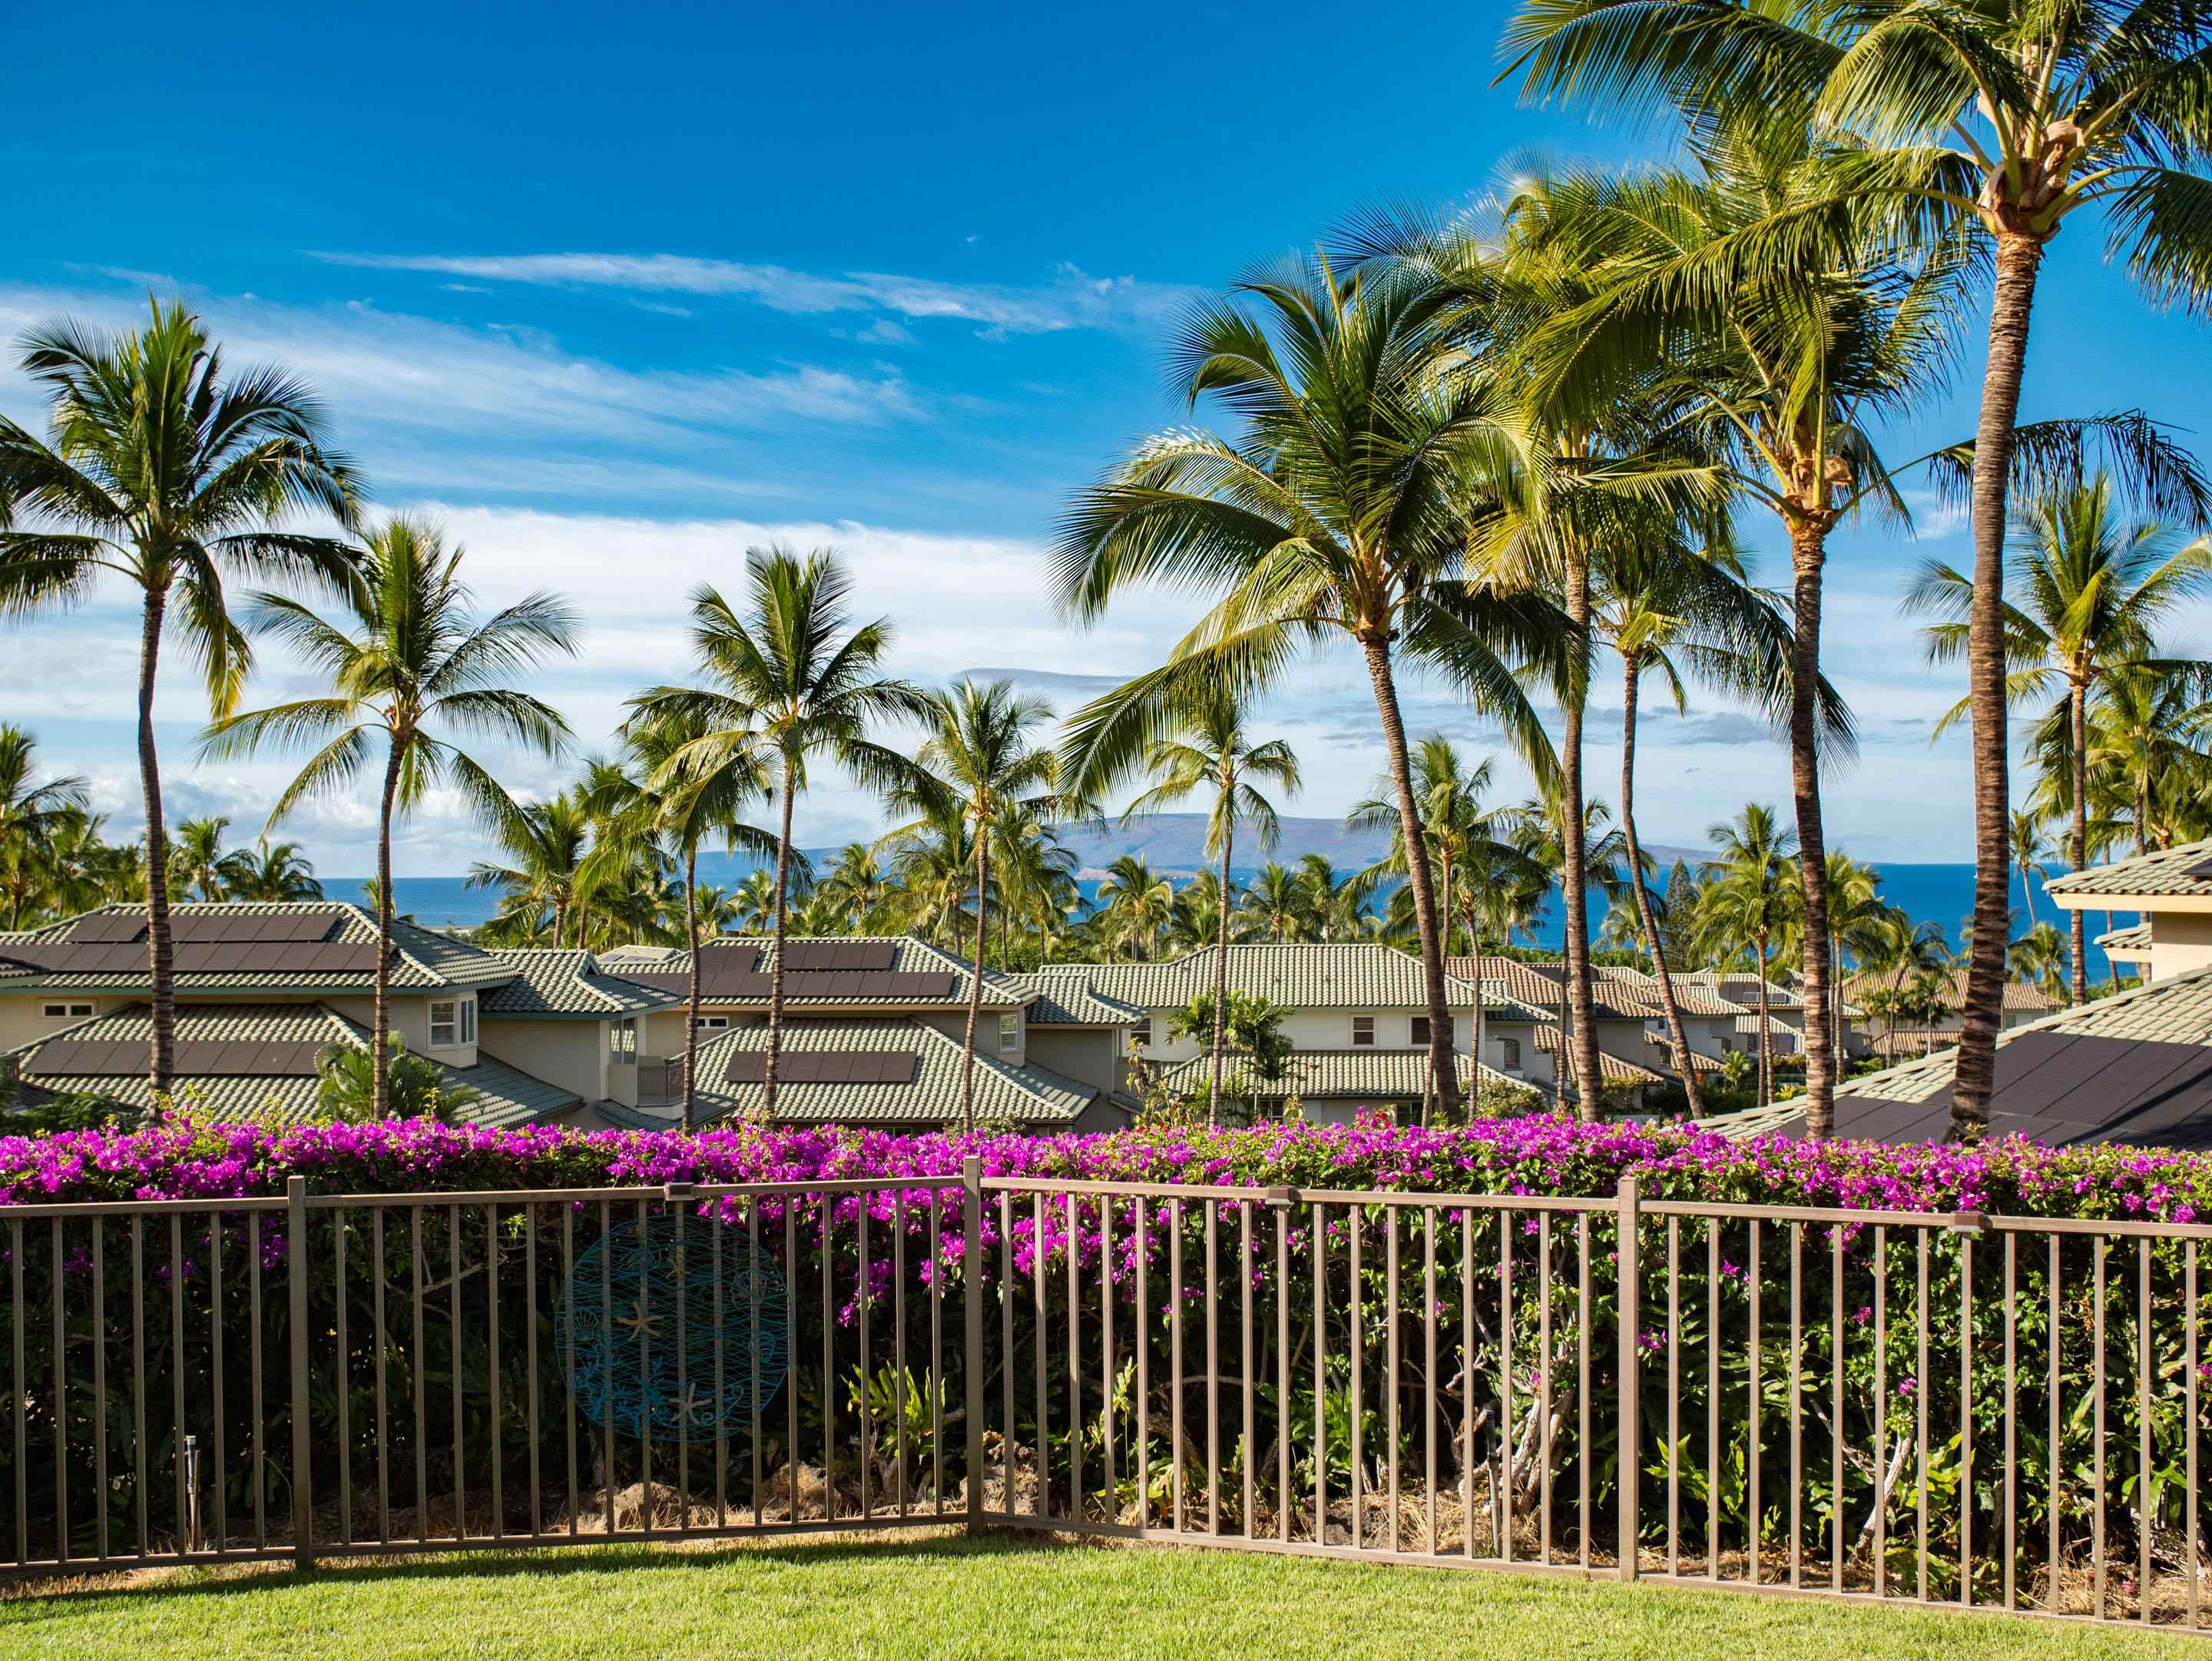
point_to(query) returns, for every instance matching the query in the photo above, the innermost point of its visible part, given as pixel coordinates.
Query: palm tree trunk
(159, 948)
(1766, 1034)
(1652, 940)
(1221, 953)
(691, 990)
(379, 1029)
(1580, 1044)
(1474, 1074)
(975, 977)
(775, 970)
(2018, 258)
(1443, 1063)
(1807, 551)
(2077, 717)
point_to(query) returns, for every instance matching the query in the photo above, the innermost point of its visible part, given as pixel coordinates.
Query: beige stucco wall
(411, 1019)
(22, 1019)
(1327, 1029)
(1090, 1055)
(2179, 941)
(570, 1053)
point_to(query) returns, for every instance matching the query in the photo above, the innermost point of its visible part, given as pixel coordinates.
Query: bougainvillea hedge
(178, 1158)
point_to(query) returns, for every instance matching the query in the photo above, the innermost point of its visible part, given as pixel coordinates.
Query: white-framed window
(1362, 1031)
(445, 1023)
(1509, 1052)
(712, 1023)
(1010, 1031)
(468, 1020)
(66, 1011)
(1420, 1032)
(621, 1041)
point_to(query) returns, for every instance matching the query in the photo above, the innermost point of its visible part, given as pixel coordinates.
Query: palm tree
(1748, 902)
(417, 663)
(683, 807)
(2037, 959)
(1336, 906)
(199, 860)
(162, 471)
(1277, 905)
(981, 761)
(2087, 595)
(546, 844)
(273, 871)
(2032, 851)
(932, 875)
(855, 884)
(32, 811)
(1993, 121)
(1136, 906)
(1203, 745)
(1666, 604)
(1351, 508)
(753, 901)
(795, 680)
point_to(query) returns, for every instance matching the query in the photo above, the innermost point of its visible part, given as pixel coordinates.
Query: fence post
(971, 1223)
(1629, 1382)
(295, 1273)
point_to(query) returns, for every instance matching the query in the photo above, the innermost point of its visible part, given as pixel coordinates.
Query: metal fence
(1881, 1406)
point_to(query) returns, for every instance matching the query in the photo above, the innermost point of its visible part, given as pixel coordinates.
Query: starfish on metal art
(642, 1323)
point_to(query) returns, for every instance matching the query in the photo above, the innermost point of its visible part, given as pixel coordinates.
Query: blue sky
(618, 293)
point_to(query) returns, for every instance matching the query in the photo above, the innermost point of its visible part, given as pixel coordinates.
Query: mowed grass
(948, 1596)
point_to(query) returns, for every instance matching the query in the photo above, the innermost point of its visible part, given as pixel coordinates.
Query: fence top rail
(138, 1207)
(1242, 1193)
(657, 1193)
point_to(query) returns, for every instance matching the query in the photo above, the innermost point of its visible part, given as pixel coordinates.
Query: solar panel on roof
(839, 955)
(2200, 872)
(102, 928)
(827, 1066)
(219, 926)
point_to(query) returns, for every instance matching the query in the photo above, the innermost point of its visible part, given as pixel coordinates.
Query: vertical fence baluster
(20, 1390)
(791, 1355)
(1106, 1354)
(1503, 1508)
(645, 1369)
(1967, 1419)
(215, 1371)
(1835, 1407)
(1074, 1363)
(1752, 1529)
(260, 1383)
(2188, 1373)
(568, 1368)
(1393, 1379)
(530, 1357)
(491, 1365)
(138, 1377)
(176, 1266)
(1043, 1501)
(606, 1396)
(2101, 1491)
(720, 1276)
(1213, 1367)
(866, 1304)
(1713, 1398)
(1244, 1278)
(99, 1385)
(383, 1404)
(415, 1368)
(2143, 1506)
(1585, 1388)
(1006, 1350)
(1429, 1348)
(1630, 1246)
(936, 1369)
(2057, 1393)
(1140, 1268)
(61, 1403)
(1546, 1454)
(1920, 1313)
(1881, 1453)
(456, 1367)
(898, 1345)
(1321, 1373)
(1796, 1405)
(1467, 1374)
(344, 1368)
(1355, 1225)
(1283, 1372)
(2011, 1407)
(1675, 1396)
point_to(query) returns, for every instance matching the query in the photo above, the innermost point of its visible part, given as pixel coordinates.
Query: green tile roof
(1065, 997)
(1336, 1074)
(507, 1095)
(909, 956)
(2178, 1010)
(2121, 942)
(564, 983)
(422, 960)
(1340, 975)
(1028, 1095)
(1529, 985)
(1611, 1069)
(2166, 873)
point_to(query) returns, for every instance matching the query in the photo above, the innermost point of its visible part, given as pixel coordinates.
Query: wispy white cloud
(1072, 299)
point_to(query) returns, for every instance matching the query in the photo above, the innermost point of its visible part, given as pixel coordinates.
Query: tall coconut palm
(1277, 906)
(1136, 904)
(2086, 593)
(1748, 905)
(1202, 745)
(652, 802)
(1682, 608)
(32, 811)
(1544, 829)
(2033, 852)
(160, 469)
(412, 663)
(197, 858)
(980, 760)
(792, 677)
(1349, 510)
(1994, 118)
(933, 872)
(855, 884)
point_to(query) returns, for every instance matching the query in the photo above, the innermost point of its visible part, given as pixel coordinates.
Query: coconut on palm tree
(2086, 593)
(980, 761)
(162, 470)
(1350, 510)
(1997, 122)
(1202, 746)
(412, 666)
(793, 679)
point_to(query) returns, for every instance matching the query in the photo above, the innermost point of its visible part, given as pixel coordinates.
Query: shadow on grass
(495, 1562)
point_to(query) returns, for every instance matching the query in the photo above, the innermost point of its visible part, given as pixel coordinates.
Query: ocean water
(1941, 894)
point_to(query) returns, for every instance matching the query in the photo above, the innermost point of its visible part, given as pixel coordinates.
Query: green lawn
(948, 1596)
